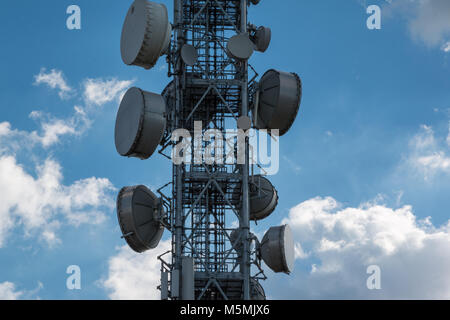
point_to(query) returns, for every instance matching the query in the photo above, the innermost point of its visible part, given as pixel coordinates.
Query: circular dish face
(263, 198)
(129, 121)
(133, 32)
(140, 124)
(244, 123)
(280, 95)
(240, 47)
(138, 212)
(263, 37)
(289, 251)
(257, 291)
(145, 34)
(277, 249)
(189, 54)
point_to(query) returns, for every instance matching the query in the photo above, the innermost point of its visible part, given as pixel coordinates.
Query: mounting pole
(178, 169)
(245, 212)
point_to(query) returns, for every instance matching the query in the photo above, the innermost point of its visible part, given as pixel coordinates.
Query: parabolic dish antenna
(279, 100)
(189, 54)
(145, 34)
(140, 123)
(263, 197)
(244, 123)
(240, 47)
(277, 249)
(257, 291)
(262, 39)
(138, 210)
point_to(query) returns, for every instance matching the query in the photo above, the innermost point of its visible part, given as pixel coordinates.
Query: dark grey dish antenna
(263, 197)
(277, 249)
(262, 38)
(139, 212)
(189, 54)
(240, 47)
(140, 124)
(145, 34)
(277, 101)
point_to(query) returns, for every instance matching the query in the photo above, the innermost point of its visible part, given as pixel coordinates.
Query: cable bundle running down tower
(207, 49)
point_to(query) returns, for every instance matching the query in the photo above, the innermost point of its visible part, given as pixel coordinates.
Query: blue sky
(372, 135)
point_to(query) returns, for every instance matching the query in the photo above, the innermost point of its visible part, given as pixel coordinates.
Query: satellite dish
(262, 39)
(140, 125)
(240, 47)
(255, 2)
(277, 249)
(145, 34)
(279, 100)
(139, 210)
(233, 237)
(257, 292)
(244, 123)
(263, 198)
(189, 54)
(237, 246)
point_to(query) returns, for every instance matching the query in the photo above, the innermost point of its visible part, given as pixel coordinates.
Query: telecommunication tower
(213, 87)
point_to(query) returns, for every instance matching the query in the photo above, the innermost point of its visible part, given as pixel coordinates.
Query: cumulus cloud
(35, 199)
(428, 154)
(133, 276)
(99, 91)
(96, 92)
(51, 130)
(446, 47)
(428, 20)
(432, 22)
(334, 246)
(8, 291)
(339, 244)
(41, 203)
(55, 80)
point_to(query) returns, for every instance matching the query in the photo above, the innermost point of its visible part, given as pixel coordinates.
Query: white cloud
(133, 276)
(429, 155)
(51, 130)
(41, 204)
(95, 92)
(428, 20)
(446, 47)
(414, 256)
(8, 291)
(432, 22)
(55, 80)
(38, 202)
(99, 91)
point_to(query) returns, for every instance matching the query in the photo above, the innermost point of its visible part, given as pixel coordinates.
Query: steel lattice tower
(211, 92)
